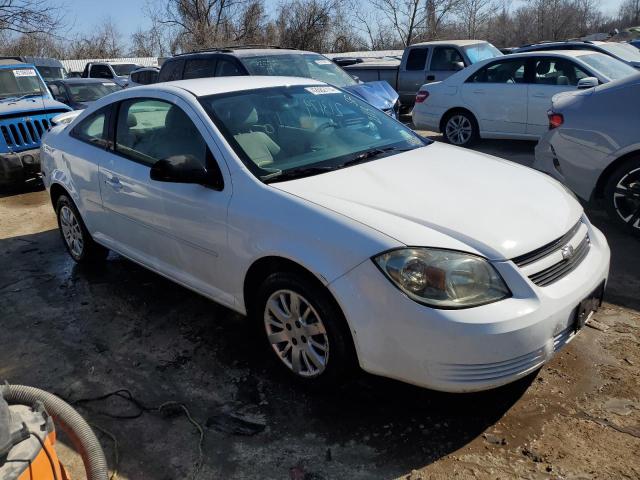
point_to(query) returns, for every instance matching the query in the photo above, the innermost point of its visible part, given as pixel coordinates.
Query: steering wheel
(326, 125)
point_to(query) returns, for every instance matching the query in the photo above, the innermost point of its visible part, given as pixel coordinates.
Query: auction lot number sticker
(322, 90)
(24, 72)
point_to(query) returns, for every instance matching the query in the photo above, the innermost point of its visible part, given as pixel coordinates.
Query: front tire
(622, 196)
(460, 129)
(305, 329)
(75, 236)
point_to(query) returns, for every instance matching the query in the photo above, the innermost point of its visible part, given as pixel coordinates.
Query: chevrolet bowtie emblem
(567, 252)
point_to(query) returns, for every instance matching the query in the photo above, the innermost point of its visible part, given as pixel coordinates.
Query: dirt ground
(85, 332)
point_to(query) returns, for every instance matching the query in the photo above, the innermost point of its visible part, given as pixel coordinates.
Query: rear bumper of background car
(16, 167)
(469, 349)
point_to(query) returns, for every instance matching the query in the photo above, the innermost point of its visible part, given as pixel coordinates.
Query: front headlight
(443, 278)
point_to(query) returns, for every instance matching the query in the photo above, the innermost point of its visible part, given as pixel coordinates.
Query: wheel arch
(451, 111)
(56, 191)
(598, 191)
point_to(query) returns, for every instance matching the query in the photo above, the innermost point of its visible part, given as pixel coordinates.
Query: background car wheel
(460, 128)
(305, 329)
(622, 196)
(74, 234)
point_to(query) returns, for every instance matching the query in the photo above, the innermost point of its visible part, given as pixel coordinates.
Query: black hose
(71, 422)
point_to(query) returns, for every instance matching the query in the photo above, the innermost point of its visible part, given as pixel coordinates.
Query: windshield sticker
(24, 72)
(322, 62)
(322, 90)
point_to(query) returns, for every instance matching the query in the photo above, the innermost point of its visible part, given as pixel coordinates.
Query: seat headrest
(132, 120)
(543, 67)
(243, 115)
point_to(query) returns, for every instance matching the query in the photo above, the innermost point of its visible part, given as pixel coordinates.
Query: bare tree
(630, 13)
(474, 16)
(105, 42)
(30, 16)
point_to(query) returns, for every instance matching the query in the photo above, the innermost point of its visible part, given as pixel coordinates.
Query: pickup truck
(116, 72)
(26, 110)
(422, 63)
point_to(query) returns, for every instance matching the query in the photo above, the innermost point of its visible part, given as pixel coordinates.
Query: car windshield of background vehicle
(305, 130)
(19, 82)
(624, 51)
(89, 92)
(124, 69)
(608, 66)
(51, 73)
(299, 65)
(481, 51)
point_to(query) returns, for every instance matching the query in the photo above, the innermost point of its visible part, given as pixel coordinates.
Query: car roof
(76, 81)
(551, 53)
(459, 43)
(201, 87)
(11, 61)
(242, 52)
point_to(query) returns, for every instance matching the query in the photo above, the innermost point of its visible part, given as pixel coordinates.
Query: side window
(171, 70)
(149, 130)
(508, 71)
(226, 68)
(93, 129)
(135, 77)
(557, 71)
(417, 59)
(445, 59)
(101, 71)
(200, 68)
(55, 91)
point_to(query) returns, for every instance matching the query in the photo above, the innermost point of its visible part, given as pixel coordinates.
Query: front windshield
(307, 65)
(283, 129)
(89, 92)
(51, 73)
(481, 51)
(624, 51)
(19, 82)
(608, 66)
(124, 69)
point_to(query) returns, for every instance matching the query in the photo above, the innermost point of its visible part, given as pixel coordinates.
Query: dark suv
(251, 60)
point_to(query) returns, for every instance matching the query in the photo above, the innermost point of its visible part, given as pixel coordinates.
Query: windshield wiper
(294, 173)
(371, 154)
(17, 99)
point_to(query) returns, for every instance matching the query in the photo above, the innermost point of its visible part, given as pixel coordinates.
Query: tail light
(555, 120)
(421, 96)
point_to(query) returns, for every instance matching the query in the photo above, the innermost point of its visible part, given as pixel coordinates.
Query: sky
(128, 14)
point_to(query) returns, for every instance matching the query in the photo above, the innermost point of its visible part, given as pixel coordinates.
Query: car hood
(27, 105)
(379, 94)
(448, 197)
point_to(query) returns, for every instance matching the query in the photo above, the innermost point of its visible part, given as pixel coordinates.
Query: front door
(413, 74)
(553, 75)
(445, 61)
(497, 95)
(177, 229)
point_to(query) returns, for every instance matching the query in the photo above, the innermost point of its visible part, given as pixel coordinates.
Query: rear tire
(460, 129)
(622, 196)
(75, 236)
(305, 330)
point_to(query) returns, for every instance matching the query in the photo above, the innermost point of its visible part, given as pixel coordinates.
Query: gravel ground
(84, 332)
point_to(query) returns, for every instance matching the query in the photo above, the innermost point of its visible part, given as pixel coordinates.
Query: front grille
(547, 249)
(24, 133)
(564, 267)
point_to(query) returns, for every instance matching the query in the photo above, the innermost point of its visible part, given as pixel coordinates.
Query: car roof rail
(230, 48)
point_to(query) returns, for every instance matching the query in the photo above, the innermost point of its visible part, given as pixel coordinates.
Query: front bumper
(16, 167)
(471, 349)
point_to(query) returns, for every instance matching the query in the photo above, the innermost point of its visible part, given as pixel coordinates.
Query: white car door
(552, 75)
(178, 229)
(497, 96)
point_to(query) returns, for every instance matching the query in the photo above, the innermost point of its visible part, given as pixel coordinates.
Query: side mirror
(457, 66)
(356, 78)
(588, 82)
(185, 169)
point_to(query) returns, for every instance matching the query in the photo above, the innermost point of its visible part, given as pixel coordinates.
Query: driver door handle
(114, 182)
(538, 95)
(478, 91)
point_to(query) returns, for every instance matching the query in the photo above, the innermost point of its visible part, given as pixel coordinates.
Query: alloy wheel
(296, 333)
(626, 198)
(71, 231)
(459, 129)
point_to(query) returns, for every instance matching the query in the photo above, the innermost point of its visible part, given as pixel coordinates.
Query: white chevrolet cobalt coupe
(345, 236)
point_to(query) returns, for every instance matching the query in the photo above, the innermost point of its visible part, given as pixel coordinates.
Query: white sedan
(508, 97)
(345, 237)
